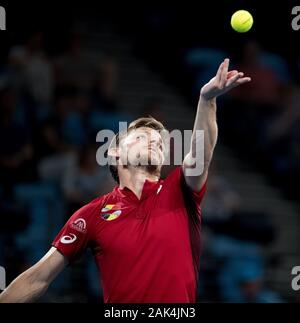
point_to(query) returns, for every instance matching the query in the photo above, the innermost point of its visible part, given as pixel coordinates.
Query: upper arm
(195, 175)
(79, 232)
(49, 266)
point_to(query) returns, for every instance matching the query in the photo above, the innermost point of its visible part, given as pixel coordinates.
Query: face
(142, 147)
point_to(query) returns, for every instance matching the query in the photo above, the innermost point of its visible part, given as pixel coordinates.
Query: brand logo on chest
(109, 212)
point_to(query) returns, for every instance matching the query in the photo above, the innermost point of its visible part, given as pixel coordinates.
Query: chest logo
(109, 214)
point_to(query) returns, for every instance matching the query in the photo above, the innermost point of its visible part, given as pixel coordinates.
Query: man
(145, 234)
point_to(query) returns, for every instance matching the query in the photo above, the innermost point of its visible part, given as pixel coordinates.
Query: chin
(155, 162)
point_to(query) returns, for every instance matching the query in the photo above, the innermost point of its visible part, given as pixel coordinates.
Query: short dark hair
(147, 122)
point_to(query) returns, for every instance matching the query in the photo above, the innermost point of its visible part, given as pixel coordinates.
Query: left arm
(206, 121)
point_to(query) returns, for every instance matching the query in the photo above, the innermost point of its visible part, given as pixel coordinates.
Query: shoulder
(90, 210)
(174, 175)
(176, 181)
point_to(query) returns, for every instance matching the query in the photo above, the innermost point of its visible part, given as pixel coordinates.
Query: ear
(113, 152)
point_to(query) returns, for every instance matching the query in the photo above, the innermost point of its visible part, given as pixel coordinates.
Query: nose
(155, 143)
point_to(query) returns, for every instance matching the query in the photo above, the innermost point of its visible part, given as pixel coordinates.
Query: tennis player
(145, 234)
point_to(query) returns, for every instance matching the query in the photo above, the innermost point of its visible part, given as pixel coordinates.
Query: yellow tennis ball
(241, 21)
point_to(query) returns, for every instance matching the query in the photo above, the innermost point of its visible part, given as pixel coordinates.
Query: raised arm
(34, 282)
(206, 121)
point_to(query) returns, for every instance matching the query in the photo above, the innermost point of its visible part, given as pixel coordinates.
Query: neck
(134, 179)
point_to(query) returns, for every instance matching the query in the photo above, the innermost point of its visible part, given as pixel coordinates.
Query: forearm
(24, 289)
(205, 121)
(205, 133)
(206, 112)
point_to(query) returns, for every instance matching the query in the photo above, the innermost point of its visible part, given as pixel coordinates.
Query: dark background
(258, 138)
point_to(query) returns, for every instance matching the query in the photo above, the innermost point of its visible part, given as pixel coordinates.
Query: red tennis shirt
(147, 250)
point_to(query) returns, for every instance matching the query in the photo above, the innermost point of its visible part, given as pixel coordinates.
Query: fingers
(224, 72)
(237, 79)
(243, 80)
(219, 73)
(225, 80)
(231, 73)
(234, 78)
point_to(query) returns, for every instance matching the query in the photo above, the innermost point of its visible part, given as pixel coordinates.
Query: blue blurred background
(98, 65)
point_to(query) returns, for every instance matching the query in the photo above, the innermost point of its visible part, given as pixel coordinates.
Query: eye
(140, 137)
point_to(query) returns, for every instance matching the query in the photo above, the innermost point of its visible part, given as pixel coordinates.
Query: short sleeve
(76, 235)
(196, 195)
(176, 179)
(192, 200)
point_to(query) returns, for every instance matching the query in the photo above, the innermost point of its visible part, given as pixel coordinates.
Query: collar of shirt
(149, 188)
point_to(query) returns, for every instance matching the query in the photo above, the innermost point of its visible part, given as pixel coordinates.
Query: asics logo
(67, 239)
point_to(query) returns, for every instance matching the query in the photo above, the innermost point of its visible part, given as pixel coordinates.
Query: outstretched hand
(223, 81)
